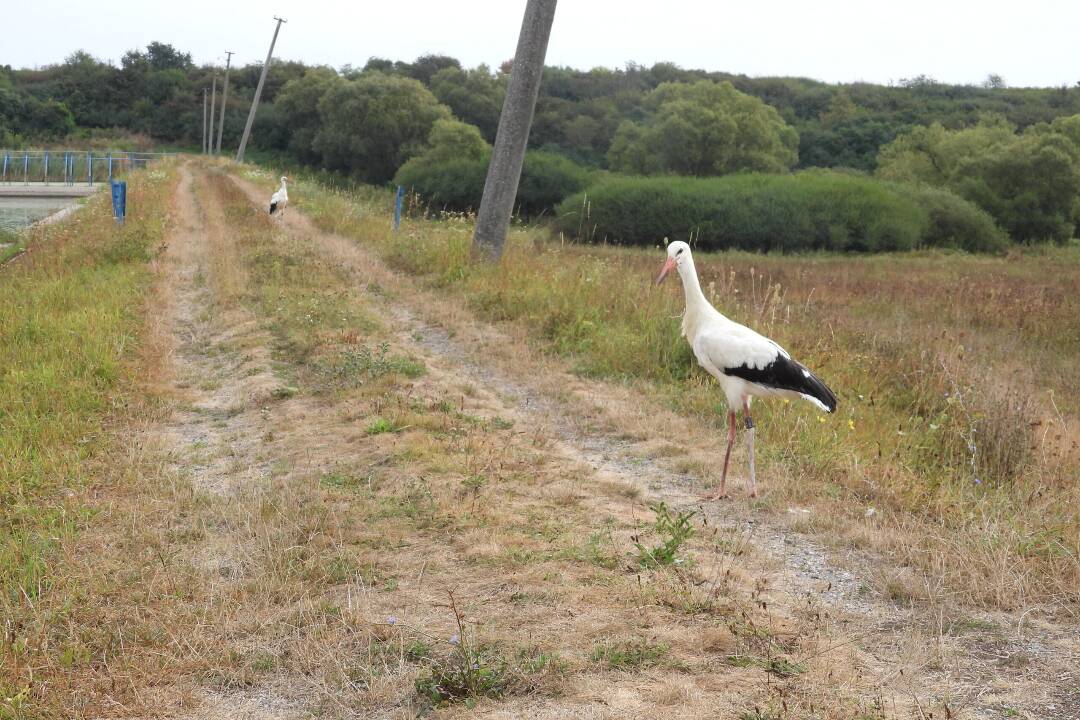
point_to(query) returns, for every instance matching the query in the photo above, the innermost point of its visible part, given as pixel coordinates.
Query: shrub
(455, 140)
(458, 184)
(955, 222)
(1027, 182)
(447, 185)
(546, 180)
(808, 211)
(812, 210)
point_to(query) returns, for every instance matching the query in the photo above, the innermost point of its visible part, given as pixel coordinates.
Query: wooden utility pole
(224, 97)
(258, 94)
(504, 172)
(204, 121)
(213, 99)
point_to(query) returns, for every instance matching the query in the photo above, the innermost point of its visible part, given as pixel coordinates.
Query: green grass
(629, 655)
(71, 323)
(14, 243)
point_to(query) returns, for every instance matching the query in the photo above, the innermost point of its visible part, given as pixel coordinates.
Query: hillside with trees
(964, 155)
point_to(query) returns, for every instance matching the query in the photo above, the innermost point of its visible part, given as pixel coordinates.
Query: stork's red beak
(668, 267)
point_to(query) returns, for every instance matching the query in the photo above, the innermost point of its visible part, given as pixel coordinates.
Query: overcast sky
(1032, 43)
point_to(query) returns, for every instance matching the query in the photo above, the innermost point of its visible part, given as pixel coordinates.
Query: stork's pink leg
(720, 492)
(750, 447)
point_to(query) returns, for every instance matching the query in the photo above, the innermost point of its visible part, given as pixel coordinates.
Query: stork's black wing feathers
(273, 207)
(783, 373)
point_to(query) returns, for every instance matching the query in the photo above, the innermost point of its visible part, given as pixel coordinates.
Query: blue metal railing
(69, 167)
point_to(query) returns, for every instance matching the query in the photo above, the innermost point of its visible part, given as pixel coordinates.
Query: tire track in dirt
(218, 373)
(611, 430)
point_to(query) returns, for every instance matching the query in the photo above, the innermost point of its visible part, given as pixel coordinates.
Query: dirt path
(250, 460)
(218, 373)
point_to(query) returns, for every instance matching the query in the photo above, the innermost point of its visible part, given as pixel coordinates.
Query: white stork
(280, 198)
(745, 363)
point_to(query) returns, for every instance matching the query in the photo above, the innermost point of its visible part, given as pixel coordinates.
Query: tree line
(429, 123)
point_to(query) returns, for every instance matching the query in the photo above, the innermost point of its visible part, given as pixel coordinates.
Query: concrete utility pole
(224, 97)
(213, 99)
(204, 121)
(258, 94)
(504, 172)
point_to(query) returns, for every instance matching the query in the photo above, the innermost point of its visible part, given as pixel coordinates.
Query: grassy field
(326, 522)
(957, 428)
(248, 474)
(71, 322)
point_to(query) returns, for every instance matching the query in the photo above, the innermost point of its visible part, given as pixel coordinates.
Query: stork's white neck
(697, 306)
(691, 285)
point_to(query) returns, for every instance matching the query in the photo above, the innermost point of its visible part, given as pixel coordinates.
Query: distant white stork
(280, 198)
(746, 364)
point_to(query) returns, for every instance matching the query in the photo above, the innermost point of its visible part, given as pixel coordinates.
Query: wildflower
(455, 640)
(391, 620)
(821, 418)
(850, 424)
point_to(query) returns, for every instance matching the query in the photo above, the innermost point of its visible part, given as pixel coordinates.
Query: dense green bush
(546, 179)
(955, 222)
(819, 210)
(448, 185)
(1028, 182)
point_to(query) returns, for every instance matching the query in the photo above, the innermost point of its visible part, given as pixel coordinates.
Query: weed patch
(673, 530)
(629, 655)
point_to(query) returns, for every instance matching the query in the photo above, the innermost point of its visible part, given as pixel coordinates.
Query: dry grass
(956, 374)
(71, 320)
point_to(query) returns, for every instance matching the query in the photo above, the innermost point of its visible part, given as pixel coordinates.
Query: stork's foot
(717, 494)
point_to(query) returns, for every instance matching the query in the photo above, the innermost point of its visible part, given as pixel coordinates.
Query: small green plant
(469, 672)
(757, 714)
(473, 484)
(263, 663)
(355, 365)
(342, 480)
(629, 654)
(673, 529)
(538, 662)
(784, 667)
(781, 667)
(378, 426)
(418, 651)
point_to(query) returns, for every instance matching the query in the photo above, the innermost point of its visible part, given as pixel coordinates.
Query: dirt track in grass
(316, 521)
